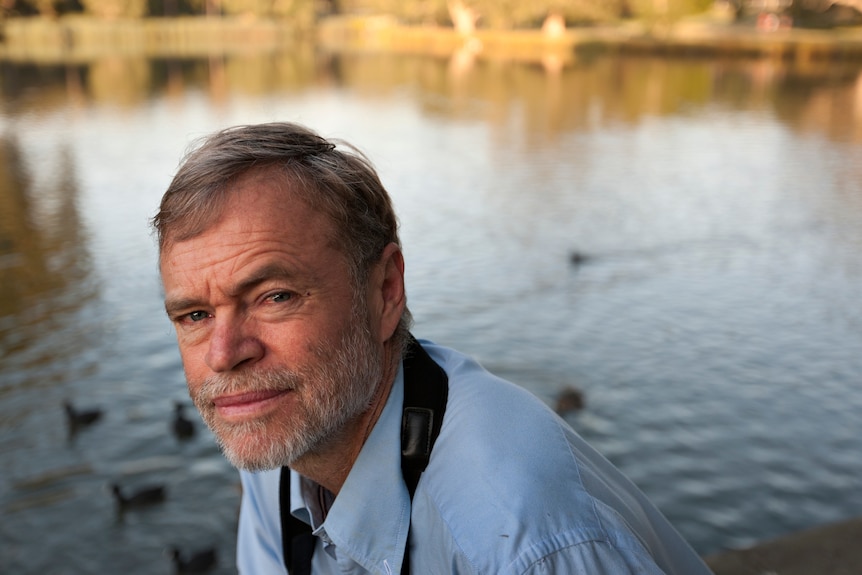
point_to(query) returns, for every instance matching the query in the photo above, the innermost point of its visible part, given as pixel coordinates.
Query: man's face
(279, 354)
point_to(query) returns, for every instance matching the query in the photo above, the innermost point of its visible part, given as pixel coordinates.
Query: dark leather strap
(297, 542)
(426, 389)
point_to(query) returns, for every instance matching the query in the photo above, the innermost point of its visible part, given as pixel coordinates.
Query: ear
(389, 296)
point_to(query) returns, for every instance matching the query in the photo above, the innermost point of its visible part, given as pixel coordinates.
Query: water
(714, 328)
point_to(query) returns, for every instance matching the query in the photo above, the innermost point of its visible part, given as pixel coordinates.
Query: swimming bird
(141, 498)
(182, 427)
(569, 399)
(81, 418)
(198, 562)
(577, 258)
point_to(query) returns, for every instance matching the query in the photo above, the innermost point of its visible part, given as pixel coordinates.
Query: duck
(182, 427)
(577, 258)
(141, 498)
(198, 562)
(569, 399)
(81, 417)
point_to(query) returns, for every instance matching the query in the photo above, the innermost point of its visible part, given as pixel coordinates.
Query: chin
(255, 459)
(257, 449)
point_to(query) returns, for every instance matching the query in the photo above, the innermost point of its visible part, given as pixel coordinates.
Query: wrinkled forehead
(201, 210)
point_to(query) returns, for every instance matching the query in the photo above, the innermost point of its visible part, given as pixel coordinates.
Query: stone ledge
(834, 549)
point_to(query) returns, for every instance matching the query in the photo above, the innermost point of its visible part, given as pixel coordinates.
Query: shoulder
(511, 483)
(470, 382)
(487, 417)
(504, 477)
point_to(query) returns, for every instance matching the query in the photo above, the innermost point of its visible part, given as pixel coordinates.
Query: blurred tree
(494, 14)
(429, 12)
(208, 7)
(174, 7)
(110, 9)
(489, 14)
(301, 12)
(826, 13)
(508, 14)
(588, 11)
(47, 8)
(504, 14)
(666, 12)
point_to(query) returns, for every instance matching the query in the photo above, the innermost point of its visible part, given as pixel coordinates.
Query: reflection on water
(558, 94)
(714, 327)
(44, 268)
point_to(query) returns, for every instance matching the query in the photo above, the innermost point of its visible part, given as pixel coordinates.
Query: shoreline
(82, 38)
(705, 37)
(832, 549)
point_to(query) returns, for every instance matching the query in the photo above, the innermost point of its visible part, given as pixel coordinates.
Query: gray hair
(342, 183)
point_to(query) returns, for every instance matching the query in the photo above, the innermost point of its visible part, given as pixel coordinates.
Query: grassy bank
(82, 38)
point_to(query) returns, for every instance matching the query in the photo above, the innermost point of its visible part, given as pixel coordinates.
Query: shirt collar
(369, 519)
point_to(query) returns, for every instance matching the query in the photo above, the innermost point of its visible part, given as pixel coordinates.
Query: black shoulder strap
(297, 541)
(426, 389)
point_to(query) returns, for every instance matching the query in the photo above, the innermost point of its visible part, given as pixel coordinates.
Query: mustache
(279, 379)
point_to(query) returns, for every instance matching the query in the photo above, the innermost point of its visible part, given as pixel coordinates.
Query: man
(284, 278)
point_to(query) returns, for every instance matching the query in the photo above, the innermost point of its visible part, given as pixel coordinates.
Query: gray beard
(331, 393)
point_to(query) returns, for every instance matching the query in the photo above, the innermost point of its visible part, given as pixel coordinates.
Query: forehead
(268, 186)
(268, 197)
(196, 197)
(260, 211)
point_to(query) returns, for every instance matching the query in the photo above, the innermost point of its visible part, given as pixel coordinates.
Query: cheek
(192, 382)
(287, 344)
(194, 368)
(190, 338)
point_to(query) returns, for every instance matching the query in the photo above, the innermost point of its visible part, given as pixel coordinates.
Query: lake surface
(715, 326)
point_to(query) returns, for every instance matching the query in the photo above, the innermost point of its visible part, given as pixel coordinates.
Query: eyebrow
(263, 274)
(174, 305)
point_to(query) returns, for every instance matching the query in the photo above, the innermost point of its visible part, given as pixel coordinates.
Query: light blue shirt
(510, 488)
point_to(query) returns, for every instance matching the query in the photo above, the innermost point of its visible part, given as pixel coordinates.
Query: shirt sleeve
(595, 558)
(259, 534)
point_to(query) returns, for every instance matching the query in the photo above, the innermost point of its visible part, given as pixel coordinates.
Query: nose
(232, 344)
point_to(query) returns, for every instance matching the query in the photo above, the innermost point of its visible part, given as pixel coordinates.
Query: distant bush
(491, 14)
(300, 11)
(49, 8)
(509, 14)
(115, 8)
(667, 10)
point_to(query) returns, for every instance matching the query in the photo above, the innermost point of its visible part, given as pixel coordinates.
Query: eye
(196, 316)
(281, 296)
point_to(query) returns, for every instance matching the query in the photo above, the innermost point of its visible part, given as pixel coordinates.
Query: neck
(330, 465)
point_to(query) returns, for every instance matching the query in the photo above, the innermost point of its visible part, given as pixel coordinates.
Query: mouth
(242, 406)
